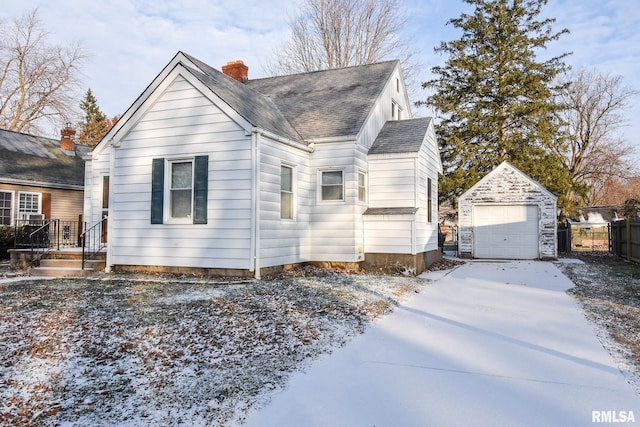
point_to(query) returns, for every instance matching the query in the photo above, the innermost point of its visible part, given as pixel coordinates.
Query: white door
(505, 231)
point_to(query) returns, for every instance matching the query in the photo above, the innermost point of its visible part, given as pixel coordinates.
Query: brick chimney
(236, 70)
(67, 141)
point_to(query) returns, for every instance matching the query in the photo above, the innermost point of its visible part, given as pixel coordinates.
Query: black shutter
(157, 191)
(200, 189)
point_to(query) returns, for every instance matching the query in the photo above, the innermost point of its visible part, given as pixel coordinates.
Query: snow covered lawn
(133, 351)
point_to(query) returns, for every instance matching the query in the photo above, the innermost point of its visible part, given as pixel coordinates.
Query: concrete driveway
(488, 344)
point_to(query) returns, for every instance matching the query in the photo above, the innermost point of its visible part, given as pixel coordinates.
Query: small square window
(332, 185)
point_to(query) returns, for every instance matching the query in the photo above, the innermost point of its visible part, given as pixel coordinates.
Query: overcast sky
(130, 41)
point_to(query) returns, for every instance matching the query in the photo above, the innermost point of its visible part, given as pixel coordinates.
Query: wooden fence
(625, 239)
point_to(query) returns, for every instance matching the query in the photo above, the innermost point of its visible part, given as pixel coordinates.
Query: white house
(211, 172)
(507, 215)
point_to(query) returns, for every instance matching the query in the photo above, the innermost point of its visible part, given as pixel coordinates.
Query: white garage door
(505, 232)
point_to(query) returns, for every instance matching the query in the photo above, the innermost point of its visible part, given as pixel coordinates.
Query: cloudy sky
(130, 41)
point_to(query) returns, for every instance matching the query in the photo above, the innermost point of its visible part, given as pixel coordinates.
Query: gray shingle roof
(29, 158)
(401, 136)
(257, 109)
(390, 211)
(327, 103)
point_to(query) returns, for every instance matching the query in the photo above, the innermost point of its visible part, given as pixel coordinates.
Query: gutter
(112, 159)
(255, 207)
(42, 184)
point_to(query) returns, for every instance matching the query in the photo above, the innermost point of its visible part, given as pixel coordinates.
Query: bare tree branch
(593, 151)
(39, 81)
(340, 33)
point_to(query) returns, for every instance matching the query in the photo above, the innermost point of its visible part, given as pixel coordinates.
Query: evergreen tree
(495, 98)
(95, 124)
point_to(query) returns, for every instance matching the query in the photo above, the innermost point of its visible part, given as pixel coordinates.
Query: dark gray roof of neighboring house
(401, 136)
(257, 109)
(329, 103)
(34, 159)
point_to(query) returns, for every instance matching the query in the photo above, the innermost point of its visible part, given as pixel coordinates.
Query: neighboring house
(590, 230)
(211, 172)
(40, 178)
(507, 215)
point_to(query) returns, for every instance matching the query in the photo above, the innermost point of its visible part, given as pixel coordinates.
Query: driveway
(488, 344)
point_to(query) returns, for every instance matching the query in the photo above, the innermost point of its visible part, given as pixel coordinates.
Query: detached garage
(507, 215)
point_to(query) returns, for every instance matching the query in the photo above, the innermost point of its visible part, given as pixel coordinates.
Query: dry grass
(168, 351)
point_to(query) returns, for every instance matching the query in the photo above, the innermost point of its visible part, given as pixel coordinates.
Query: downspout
(112, 159)
(255, 208)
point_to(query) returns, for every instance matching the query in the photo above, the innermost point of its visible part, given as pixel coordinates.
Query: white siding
(381, 112)
(427, 232)
(400, 181)
(392, 234)
(284, 241)
(392, 183)
(95, 169)
(182, 123)
(336, 225)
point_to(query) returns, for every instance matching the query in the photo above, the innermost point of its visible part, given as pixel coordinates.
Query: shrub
(7, 235)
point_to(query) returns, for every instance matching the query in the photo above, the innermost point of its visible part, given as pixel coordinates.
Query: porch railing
(40, 239)
(93, 240)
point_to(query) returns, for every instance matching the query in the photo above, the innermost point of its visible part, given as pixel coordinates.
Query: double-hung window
(179, 190)
(6, 207)
(362, 187)
(332, 187)
(286, 192)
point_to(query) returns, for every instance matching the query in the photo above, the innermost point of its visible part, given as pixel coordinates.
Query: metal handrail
(44, 246)
(91, 240)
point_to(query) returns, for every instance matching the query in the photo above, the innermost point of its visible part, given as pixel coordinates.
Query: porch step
(67, 264)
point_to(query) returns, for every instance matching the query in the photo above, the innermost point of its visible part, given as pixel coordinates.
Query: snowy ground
(172, 351)
(608, 289)
(140, 350)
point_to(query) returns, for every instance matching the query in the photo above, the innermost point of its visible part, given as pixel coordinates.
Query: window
(180, 189)
(286, 192)
(6, 207)
(397, 85)
(186, 188)
(429, 201)
(28, 205)
(105, 193)
(396, 111)
(332, 188)
(362, 187)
